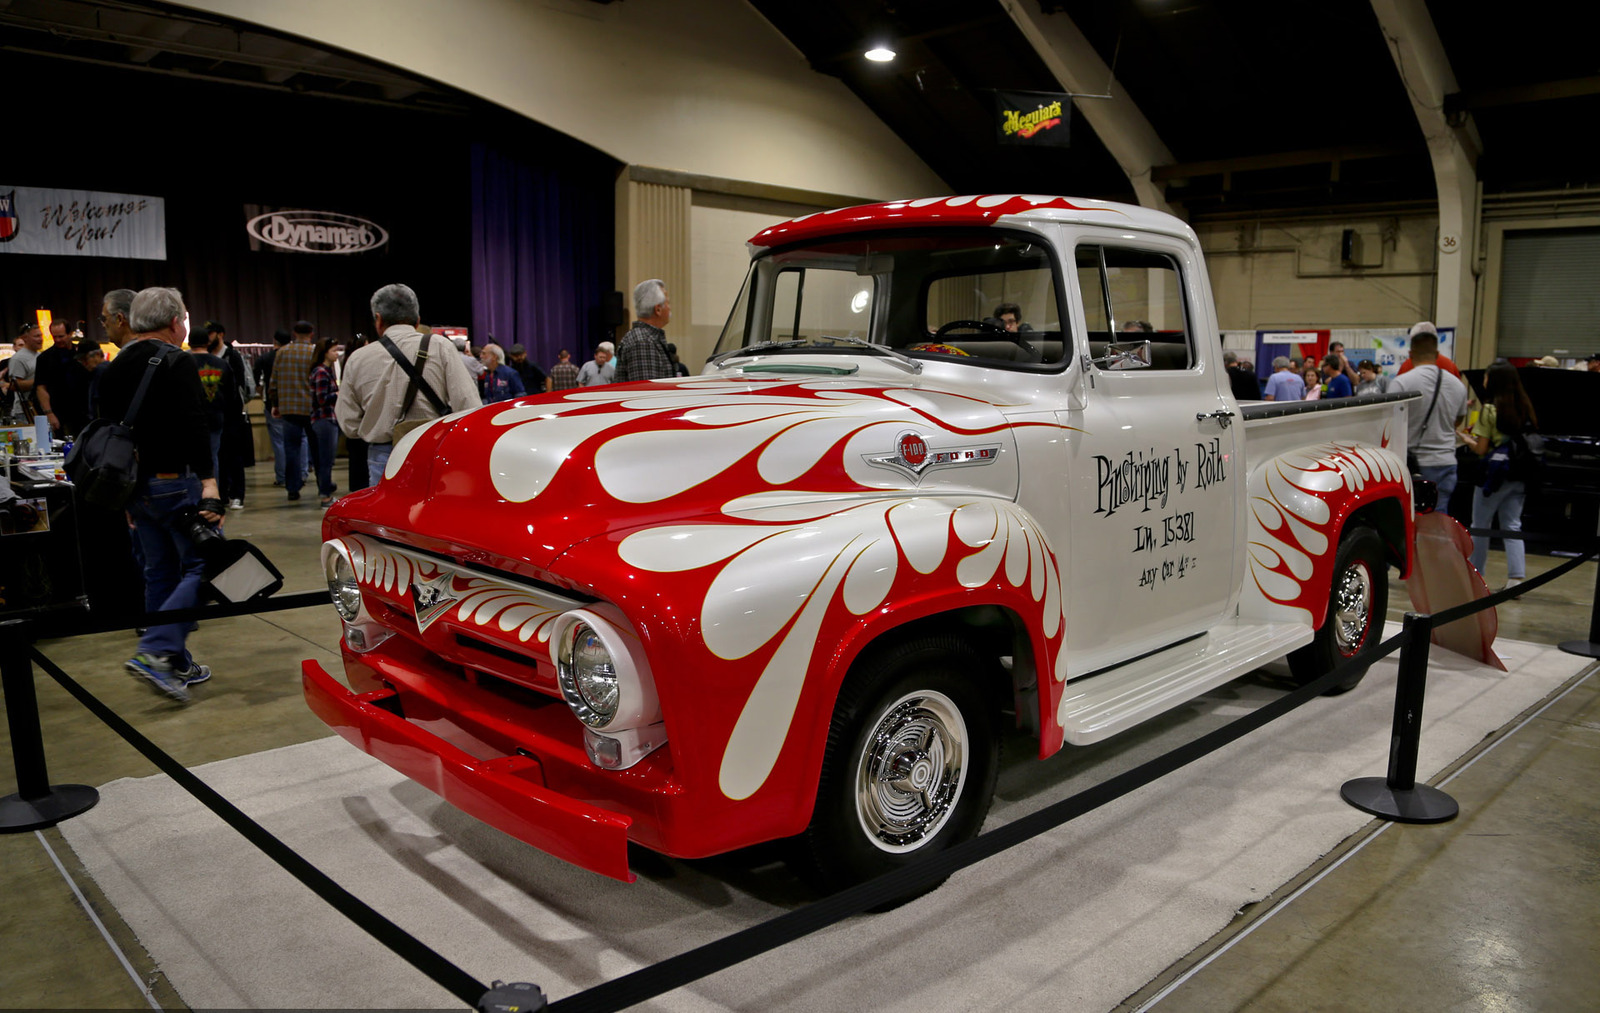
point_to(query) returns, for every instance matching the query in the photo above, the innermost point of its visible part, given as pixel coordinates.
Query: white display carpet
(1077, 919)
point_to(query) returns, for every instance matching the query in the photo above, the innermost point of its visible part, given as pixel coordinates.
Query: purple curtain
(542, 248)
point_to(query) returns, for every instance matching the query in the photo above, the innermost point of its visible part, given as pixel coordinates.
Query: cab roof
(972, 209)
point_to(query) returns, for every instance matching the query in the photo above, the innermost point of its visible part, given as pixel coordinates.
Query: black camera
(207, 538)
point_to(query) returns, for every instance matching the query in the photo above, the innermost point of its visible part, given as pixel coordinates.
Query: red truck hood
(522, 481)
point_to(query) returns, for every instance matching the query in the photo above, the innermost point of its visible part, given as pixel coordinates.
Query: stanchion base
(19, 815)
(1582, 648)
(1421, 804)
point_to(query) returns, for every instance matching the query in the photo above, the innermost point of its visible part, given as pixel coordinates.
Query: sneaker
(159, 674)
(326, 500)
(235, 504)
(195, 673)
(1513, 581)
(294, 497)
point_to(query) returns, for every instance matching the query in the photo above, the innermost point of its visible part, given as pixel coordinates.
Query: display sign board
(296, 230)
(1037, 119)
(82, 223)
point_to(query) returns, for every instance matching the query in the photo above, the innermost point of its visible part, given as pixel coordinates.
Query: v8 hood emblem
(433, 598)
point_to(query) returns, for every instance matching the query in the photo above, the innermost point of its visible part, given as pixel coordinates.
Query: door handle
(1222, 415)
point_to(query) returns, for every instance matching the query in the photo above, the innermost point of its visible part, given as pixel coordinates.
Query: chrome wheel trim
(1352, 608)
(912, 768)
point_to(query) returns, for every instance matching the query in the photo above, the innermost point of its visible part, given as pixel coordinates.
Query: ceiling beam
(1491, 98)
(1115, 119)
(1280, 160)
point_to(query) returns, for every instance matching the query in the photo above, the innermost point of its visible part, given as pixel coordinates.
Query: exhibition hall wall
(696, 86)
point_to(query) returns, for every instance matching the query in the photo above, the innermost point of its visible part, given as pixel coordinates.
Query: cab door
(1155, 480)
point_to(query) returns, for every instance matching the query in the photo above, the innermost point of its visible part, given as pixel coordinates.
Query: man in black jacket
(176, 479)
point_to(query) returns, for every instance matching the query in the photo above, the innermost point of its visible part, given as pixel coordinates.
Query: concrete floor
(1496, 911)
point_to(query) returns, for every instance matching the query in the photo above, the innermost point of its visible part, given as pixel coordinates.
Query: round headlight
(588, 676)
(344, 590)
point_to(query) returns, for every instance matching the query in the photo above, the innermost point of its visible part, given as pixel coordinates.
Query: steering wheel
(985, 327)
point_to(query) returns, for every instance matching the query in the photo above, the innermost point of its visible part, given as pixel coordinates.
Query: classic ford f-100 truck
(796, 596)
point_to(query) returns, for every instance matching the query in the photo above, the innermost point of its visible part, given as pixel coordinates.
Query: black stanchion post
(1589, 648)
(37, 802)
(1399, 797)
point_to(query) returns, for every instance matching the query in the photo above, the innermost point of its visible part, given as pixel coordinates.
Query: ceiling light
(880, 54)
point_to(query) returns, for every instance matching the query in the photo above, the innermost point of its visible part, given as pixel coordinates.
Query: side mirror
(1125, 355)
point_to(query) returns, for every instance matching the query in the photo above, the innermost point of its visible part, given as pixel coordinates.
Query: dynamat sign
(315, 232)
(1032, 118)
(82, 223)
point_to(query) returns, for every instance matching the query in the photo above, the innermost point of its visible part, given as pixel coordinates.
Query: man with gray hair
(642, 353)
(1284, 384)
(403, 377)
(176, 480)
(599, 369)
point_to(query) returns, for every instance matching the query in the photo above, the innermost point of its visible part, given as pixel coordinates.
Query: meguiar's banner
(1033, 118)
(82, 223)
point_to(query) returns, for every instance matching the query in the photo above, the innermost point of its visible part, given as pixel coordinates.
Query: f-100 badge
(913, 457)
(433, 599)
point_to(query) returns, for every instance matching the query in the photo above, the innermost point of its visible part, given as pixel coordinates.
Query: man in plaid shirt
(563, 375)
(290, 389)
(642, 352)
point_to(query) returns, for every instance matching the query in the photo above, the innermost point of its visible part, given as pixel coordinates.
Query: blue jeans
(377, 461)
(1444, 476)
(1507, 502)
(275, 431)
(327, 433)
(173, 570)
(296, 441)
(216, 453)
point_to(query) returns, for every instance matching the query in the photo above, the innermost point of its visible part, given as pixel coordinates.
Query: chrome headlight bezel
(634, 703)
(343, 587)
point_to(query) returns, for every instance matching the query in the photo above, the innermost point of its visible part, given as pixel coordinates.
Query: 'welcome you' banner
(82, 223)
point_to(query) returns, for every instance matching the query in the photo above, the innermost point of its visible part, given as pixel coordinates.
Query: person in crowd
(114, 309)
(1546, 362)
(1431, 426)
(113, 581)
(1426, 327)
(237, 451)
(1506, 412)
(564, 374)
(1313, 381)
(642, 353)
(289, 389)
(533, 378)
(678, 368)
(220, 389)
(1284, 384)
(374, 398)
(599, 369)
(1243, 384)
(1370, 379)
(1138, 327)
(1009, 316)
(1335, 383)
(72, 382)
(355, 448)
(22, 370)
(1310, 362)
(499, 381)
(1592, 364)
(324, 428)
(52, 380)
(176, 483)
(1345, 367)
(280, 338)
(474, 365)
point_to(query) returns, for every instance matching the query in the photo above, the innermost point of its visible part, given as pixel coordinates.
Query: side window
(1131, 295)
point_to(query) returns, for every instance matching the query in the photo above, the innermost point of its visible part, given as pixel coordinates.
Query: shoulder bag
(1412, 464)
(401, 426)
(104, 460)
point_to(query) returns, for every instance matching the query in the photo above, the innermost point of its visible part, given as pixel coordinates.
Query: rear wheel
(912, 756)
(1358, 601)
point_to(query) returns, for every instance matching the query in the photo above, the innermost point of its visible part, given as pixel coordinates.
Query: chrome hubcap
(911, 771)
(1352, 608)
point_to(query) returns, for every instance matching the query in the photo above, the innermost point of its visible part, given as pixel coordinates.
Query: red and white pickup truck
(795, 596)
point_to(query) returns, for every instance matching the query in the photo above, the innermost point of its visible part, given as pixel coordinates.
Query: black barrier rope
(425, 959)
(76, 624)
(675, 972)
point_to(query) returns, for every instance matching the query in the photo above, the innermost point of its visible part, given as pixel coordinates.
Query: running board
(1102, 705)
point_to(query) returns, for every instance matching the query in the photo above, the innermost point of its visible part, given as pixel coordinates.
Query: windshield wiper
(760, 346)
(901, 359)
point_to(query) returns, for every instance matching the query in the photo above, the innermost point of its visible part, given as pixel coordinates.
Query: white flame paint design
(651, 466)
(518, 610)
(853, 555)
(1294, 516)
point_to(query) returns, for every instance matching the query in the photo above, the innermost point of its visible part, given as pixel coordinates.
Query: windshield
(987, 296)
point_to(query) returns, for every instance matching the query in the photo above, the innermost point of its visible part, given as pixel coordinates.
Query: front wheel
(1358, 601)
(913, 753)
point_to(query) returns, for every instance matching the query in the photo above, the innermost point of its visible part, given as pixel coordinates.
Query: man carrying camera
(176, 501)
